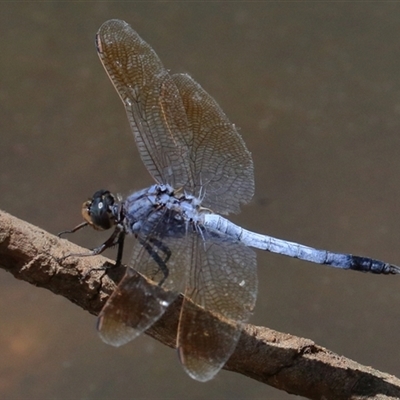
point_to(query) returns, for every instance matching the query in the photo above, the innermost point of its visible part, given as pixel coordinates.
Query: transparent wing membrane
(183, 136)
(222, 167)
(131, 309)
(223, 281)
(155, 111)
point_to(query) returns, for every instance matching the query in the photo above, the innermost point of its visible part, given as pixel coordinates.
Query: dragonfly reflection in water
(202, 168)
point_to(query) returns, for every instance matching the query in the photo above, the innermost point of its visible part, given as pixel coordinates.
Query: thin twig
(284, 361)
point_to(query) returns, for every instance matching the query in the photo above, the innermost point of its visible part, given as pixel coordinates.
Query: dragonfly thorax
(143, 209)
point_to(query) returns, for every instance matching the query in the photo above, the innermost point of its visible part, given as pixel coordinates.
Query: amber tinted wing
(183, 136)
(152, 102)
(222, 280)
(222, 167)
(134, 307)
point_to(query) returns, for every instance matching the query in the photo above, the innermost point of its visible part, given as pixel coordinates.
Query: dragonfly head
(100, 211)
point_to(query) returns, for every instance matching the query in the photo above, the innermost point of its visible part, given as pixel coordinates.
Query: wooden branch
(286, 362)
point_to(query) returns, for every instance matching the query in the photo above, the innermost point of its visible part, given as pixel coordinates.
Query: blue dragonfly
(202, 170)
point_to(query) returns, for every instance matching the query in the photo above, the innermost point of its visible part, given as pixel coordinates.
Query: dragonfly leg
(152, 246)
(117, 238)
(159, 244)
(110, 242)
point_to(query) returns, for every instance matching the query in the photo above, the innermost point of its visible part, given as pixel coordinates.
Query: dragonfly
(202, 171)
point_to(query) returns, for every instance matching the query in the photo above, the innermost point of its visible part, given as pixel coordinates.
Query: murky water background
(315, 89)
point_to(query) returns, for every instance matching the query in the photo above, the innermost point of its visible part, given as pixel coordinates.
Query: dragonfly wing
(132, 308)
(223, 281)
(183, 136)
(152, 102)
(222, 165)
(135, 306)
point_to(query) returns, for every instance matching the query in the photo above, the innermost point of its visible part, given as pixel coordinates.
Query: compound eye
(98, 212)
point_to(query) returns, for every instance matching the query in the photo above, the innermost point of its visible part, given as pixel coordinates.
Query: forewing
(134, 306)
(223, 281)
(152, 101)
(222, 167)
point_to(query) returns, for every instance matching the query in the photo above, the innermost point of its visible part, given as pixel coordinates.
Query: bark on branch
(296, 365)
